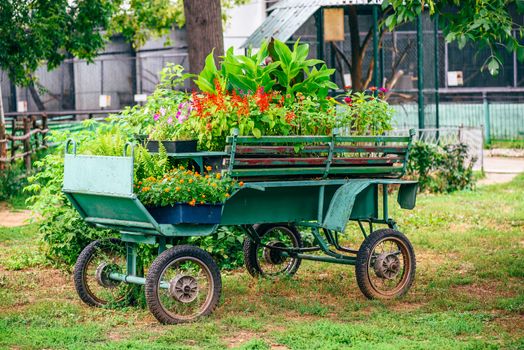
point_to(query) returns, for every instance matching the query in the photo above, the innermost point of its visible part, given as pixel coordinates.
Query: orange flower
(228, 195)
(181, 167)
(209, 168)
(202, 202)
(181, 181)
(177, 189)
(190, 181)
(166, 190)
(203, 196)
(207, 176)
(241, 183)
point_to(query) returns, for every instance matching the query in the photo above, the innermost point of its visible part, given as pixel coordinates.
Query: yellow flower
(166, 190)
(203, 196)
(190, 181)
(177, 189)
(218, 176)
(214, 184)
(181, 181)
(208, 168)
(228, 195)
(181, 167)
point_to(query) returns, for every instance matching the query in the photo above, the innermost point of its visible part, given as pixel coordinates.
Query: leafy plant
(366, 113)
(185, 186)
(274, 67)
(441, 168)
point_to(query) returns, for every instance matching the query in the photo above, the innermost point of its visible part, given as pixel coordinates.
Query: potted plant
(167, 129)
(186, 196)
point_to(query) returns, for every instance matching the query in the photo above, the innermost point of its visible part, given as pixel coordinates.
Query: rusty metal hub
(387, 265)
(102, 275)
(274, 256)
(184, 288)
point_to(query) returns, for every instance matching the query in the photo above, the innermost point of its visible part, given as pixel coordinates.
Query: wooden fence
(25, 134)
(27, 137)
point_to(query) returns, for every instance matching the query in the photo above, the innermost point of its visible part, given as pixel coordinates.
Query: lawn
(468, 294)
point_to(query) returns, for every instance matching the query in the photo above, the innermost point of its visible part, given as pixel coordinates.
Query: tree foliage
(488, 23)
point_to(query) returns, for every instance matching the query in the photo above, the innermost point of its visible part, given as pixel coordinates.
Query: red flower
(373, 89)
(262, 100)
(348, 100)
(290, 116)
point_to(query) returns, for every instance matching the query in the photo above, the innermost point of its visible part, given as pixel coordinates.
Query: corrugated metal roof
(288, 16)
(297, 3)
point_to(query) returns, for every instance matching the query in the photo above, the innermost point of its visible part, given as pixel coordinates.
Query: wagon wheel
(91, 272)
(385, 266)
(182, 284)
(267, 262)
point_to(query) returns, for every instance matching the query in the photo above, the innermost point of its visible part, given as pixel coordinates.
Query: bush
(12, 181)
(441, 168)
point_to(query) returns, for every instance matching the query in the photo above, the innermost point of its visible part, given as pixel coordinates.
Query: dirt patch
(496, 178)
(484, 290)
(239, 338)
(12, 218)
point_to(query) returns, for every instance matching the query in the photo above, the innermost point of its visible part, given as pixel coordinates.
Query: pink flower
(169, 120)
(383, 90)
(156, 117)
(162, 111)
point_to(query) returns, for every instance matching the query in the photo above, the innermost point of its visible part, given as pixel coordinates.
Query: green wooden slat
(372, 139)
(250, 140)
(316, 171)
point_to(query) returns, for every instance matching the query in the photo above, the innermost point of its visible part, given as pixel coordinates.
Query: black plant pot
(182, 213)
(185, 146)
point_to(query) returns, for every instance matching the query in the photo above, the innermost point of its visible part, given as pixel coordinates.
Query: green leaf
(257, 133)
(493, 66)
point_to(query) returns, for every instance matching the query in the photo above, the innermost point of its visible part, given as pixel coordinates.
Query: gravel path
(12, 218)
(501, 169)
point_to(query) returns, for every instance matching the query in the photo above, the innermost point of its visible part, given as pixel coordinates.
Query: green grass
(469, 293)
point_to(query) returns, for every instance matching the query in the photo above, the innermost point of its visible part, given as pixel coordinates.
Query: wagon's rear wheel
(91, 272)
(385, 266)
(267, 262)
(182, 284)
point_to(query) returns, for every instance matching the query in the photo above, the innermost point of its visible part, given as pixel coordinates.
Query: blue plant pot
(182, 213)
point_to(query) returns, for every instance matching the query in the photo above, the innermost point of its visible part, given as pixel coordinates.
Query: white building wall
(243, 21)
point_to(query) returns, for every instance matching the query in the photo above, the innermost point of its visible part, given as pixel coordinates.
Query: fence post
(14, 124)
(3, 145)
(27, 143)
(487, 123)
(44, 127)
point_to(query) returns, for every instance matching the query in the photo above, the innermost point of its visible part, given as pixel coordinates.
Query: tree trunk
(36, 97)
(356, 56)
(204, 31)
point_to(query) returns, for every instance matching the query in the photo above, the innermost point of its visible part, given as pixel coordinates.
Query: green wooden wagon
(294, 187)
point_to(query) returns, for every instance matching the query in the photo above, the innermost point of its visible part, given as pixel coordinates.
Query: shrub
(12, 181)
(441, 168)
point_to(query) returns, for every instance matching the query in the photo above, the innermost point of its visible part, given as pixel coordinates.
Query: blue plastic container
(182, 213)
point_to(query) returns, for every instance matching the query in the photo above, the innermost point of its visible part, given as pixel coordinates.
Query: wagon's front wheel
(91, 272)
(385, 266)
(182, 284)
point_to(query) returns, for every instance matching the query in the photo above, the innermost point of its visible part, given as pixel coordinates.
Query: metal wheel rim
(406, 267)
(89, 286)
(210, 288)
(290, 261)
